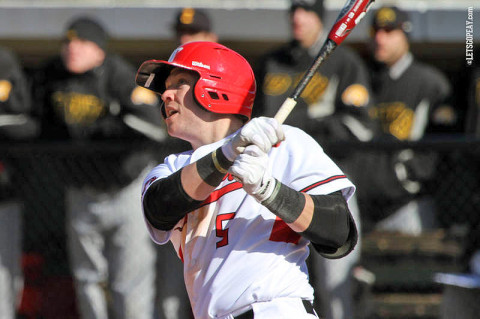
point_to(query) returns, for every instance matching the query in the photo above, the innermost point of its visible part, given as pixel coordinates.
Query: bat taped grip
(285, 110)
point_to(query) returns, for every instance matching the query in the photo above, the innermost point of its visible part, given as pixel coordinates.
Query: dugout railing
(449, 171)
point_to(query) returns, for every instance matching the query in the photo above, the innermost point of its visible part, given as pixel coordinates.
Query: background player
(409, 97)
(243, 240)
(87, 95)
(193, 25)
(16, 124)
(333, 107)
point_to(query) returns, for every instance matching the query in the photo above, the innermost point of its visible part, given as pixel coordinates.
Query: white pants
(10, 255)
(112, 256)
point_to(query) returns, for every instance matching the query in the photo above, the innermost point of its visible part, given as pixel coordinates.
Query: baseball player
(239, 212)
(409, 98)
(16, 123)
(193, 25)
(86, 94)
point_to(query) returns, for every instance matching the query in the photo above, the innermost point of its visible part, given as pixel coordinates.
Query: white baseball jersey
(235, 251)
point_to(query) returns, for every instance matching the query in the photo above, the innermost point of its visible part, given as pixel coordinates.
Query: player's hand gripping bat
(349, 17)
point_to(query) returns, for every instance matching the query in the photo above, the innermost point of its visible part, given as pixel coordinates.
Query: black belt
(249, 314)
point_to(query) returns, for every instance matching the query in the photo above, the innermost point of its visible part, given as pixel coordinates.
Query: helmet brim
(152, 74)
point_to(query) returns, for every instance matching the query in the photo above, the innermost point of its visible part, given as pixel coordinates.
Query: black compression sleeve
(166, 202)
(330, 223)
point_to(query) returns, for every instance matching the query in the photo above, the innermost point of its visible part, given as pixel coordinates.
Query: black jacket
(332, 104)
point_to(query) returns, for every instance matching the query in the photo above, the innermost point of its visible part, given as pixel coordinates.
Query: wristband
(213, 168)
(285, 202)
(220, 161)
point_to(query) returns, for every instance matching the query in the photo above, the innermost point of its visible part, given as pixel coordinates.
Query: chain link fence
(403, 264)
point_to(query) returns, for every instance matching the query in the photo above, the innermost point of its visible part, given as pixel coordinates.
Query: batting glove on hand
(251, 169)
(262, 131)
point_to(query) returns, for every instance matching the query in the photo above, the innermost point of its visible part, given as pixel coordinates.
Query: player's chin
(172, 131)
(176, 131)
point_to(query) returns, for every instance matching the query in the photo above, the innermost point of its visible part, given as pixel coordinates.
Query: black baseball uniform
(101, 197)
(16, 124)
(405, 97)
(334, 104)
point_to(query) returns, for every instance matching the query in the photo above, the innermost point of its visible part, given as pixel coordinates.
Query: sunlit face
(185, 118)
(390, 45)
(80, 56)
(306, 26)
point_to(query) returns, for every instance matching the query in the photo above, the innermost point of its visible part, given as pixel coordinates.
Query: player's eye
(182, 81)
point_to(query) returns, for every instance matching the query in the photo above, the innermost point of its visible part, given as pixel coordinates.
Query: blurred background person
(332, 108)
(84, 96)
(16, 124)
(410, 98)
(193, 25)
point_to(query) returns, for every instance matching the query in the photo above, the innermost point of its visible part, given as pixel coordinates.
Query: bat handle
(285, 109)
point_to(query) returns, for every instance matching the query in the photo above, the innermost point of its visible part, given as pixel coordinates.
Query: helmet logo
(201, 65)
(174, 53)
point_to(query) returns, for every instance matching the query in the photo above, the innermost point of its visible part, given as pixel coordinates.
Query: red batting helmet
(226, 84)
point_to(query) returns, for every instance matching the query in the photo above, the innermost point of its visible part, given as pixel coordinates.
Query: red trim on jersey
(215, 195)
(147, 184)
(281, 232)
(180, 253)
(328, 180)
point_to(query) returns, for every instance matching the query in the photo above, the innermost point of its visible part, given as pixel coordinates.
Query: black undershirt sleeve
(333, 232)
(165, 202)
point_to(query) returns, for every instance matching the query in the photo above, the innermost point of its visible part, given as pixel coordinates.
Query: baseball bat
(350, 15)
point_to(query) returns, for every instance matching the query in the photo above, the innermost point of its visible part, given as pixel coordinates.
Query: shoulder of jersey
(424, 72)
(295, 134)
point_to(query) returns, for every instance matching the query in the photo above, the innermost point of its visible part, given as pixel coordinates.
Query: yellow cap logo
(71, 34)
(385, 16)
(187, 16)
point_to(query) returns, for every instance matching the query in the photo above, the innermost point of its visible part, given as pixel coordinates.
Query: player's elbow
(330, 225)
(165, 202)
(157, 212)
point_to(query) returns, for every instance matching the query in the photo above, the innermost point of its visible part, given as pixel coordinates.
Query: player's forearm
(169, 199)
(200, 178)
(323, 219)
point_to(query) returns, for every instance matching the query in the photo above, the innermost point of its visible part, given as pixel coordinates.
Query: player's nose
(167, 95)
